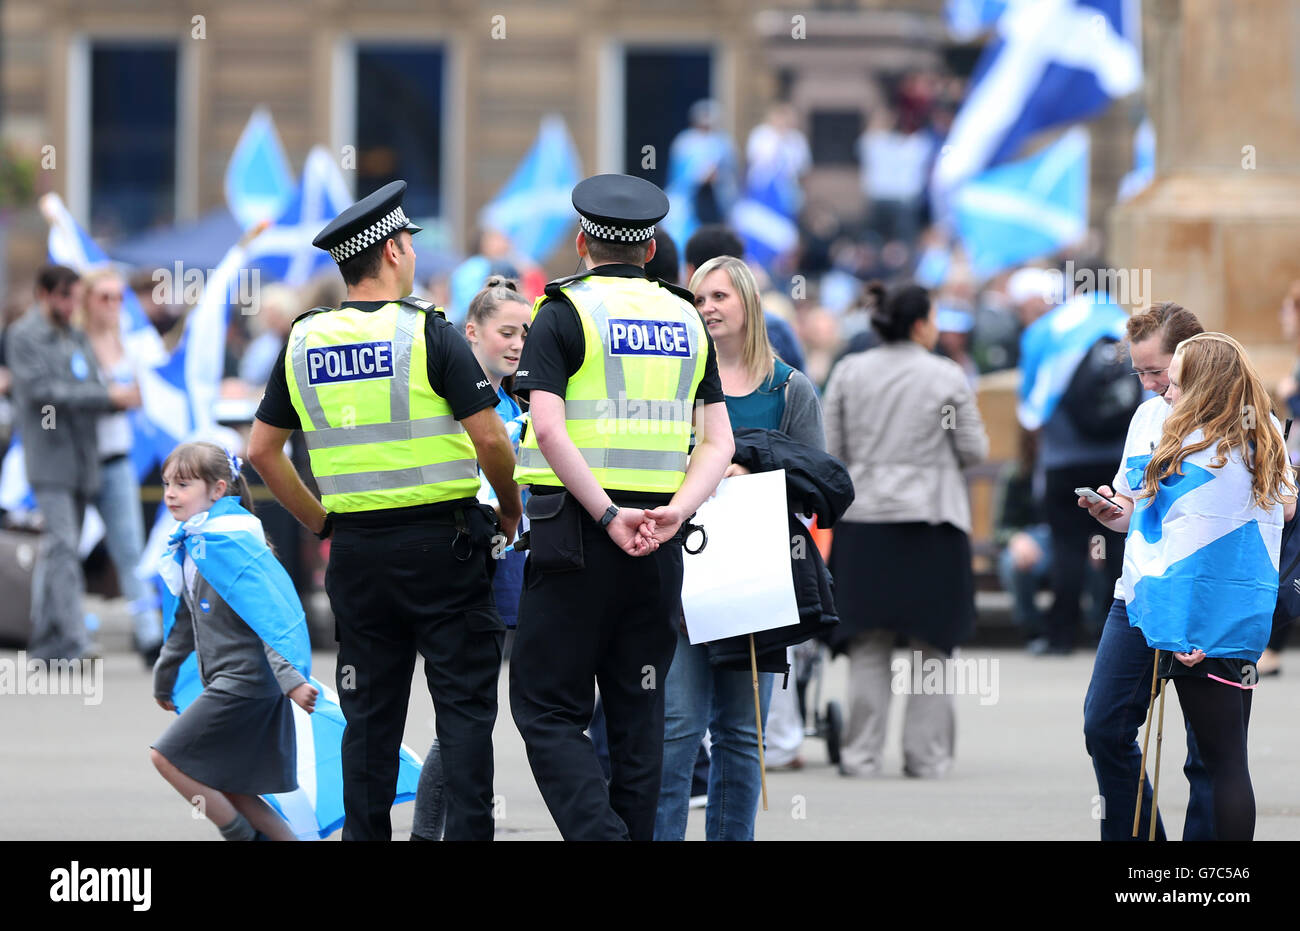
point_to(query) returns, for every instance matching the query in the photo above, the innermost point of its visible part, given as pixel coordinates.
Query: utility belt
(476, 524)
(556, 523)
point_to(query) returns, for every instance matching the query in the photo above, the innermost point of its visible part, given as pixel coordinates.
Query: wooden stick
(758, 720)
(1155, 780)
(1142, 769)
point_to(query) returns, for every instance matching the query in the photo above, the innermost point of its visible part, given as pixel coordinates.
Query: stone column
(1219, 228)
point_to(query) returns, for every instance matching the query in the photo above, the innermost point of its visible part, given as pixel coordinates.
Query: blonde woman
(761, 392)
(1201, 559)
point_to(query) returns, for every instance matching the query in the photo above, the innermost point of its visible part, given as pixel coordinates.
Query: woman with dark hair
(904, 422)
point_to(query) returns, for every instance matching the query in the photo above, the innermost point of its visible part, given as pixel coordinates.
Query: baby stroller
(828, 724)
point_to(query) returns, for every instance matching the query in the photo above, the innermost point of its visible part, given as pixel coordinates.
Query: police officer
(395, 410)
(615, 366)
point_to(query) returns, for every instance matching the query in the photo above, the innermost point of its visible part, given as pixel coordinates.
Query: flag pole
(1155, 780)
(1142, 768)
(758, 720)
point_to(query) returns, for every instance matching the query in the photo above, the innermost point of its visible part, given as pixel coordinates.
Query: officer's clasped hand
(632, 533)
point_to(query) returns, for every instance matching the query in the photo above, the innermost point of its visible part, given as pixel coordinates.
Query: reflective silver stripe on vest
(650, 411)
(356, 482)
(615, 381)
(310, 400)
(399, 387)
(640, 459)
(444, 425)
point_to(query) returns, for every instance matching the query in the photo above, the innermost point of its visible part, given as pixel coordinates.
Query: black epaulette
(427, 306)
(308, 313)
(681, 292)
(552, 288)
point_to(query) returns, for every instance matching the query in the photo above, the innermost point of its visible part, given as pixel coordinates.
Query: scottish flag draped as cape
(1200, 560)
(229, 547)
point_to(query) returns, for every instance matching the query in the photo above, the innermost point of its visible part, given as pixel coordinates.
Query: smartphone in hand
(1097, 498)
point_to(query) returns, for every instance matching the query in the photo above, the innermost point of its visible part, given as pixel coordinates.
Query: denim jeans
(118, 503)
(1113, 712)
(697, 697)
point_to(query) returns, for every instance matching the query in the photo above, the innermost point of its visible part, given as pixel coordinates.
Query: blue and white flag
(229, 546)
(1201, 560)
(764, 220)
(1144, 162)
(315, 809)
(534, 209)
(283, 252)
(1052, 62)
(258, 180)
(1052, 347)
(163, 418)
(1025, 210)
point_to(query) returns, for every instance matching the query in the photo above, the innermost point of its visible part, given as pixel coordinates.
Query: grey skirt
(234, 744)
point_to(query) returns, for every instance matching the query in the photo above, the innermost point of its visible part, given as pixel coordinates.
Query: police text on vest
(350, 362)
(648, 338)
(102, 884)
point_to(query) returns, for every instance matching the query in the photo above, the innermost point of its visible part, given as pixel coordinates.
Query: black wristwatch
(610, 513)
(327, 528)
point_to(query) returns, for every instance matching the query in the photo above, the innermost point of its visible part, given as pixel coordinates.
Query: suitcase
(19, 551)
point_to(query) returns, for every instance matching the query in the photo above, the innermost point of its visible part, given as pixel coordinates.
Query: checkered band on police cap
(369, 236)
(617, 233)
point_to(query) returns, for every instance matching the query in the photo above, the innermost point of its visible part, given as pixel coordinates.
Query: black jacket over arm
(816, 483)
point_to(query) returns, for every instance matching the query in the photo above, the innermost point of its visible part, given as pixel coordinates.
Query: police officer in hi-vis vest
(395, 411)
(615, 367)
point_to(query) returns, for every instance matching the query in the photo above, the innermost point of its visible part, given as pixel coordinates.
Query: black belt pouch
(555, 532)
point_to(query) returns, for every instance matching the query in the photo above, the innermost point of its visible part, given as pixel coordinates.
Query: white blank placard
(742, 582)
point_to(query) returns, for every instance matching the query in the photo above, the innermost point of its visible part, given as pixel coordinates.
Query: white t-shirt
(1142, 439)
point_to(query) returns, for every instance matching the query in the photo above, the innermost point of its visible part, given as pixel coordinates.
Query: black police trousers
(397, 591)
(613, 624)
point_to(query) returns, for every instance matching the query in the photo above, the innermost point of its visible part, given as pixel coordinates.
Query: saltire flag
(1052, 347)
(1201, 560)
(764, 219)
(283, 252)
(1144, 162)
(1052, 62)
(258, 181)
(534, 209)
(229, 546)
(1025, 210)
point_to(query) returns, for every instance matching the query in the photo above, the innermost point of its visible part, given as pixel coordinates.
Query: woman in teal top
(763, 392)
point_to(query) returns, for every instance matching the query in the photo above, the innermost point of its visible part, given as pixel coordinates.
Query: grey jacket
(58, 396)
(231, 657)
(802, 418)
(905, 422)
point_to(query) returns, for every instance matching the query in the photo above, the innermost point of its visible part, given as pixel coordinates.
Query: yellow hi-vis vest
(379, 436)
(628, 407)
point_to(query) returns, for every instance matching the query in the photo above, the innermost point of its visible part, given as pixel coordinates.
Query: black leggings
(1219, 715)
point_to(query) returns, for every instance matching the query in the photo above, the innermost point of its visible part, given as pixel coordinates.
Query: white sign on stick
(742, 582)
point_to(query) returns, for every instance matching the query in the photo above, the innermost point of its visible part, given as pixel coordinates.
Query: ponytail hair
(893, 314)
(496, 291)
(208, 462)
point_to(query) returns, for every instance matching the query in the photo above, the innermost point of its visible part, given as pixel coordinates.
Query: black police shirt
(555, 348)
(454, 374)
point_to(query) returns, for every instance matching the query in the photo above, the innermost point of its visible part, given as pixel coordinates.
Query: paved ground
(78, 771)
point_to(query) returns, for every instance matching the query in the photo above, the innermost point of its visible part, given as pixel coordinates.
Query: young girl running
(235, 607)
(1201, 558)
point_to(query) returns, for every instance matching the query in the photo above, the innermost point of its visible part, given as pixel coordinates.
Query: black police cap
(370, 220)
(619, 208)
